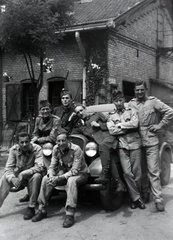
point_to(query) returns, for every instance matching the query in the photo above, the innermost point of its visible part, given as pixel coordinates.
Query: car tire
(110, 198)
(165, 164)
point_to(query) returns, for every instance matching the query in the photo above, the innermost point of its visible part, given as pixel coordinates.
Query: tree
(28, 27)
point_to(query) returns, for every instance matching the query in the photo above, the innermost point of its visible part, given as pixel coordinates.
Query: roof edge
(103, 24)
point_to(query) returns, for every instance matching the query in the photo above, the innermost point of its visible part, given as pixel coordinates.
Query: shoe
(160, 207)
(104, 177)
(140, 204)
(30, 213)
(25, 198)
(137, 204)
(14, 189)
(69, 221)
(39, 216)
(145, 197)
(133, 205)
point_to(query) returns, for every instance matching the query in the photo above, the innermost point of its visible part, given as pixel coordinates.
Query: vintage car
(110, 198)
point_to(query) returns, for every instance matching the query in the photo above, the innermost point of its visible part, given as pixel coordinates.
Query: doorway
(128, 90)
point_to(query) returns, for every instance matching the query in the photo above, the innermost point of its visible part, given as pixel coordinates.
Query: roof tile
(98, 10)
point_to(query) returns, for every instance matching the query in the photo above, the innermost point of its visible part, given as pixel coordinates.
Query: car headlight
(47, 152)
(91, 149)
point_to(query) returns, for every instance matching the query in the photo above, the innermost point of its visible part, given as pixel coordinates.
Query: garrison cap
(118, 96)
(65, 92)
(44, 103)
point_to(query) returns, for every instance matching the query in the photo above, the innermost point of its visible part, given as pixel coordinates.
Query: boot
(104, 176)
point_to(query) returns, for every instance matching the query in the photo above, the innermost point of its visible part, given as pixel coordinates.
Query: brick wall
(132, 49)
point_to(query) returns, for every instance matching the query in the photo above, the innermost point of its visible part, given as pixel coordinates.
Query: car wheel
(110, 198)
(165, 165)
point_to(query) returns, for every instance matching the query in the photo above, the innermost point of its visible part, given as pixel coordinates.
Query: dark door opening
(55, 88)
(128, 90)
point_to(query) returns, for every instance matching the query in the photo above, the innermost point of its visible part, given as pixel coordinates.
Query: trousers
(33, 183)
(151, 172)
(131, 165)
(105, 148)
(71, 190)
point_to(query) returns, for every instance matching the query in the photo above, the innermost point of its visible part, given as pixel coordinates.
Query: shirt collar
(144, 100)
(27, 153)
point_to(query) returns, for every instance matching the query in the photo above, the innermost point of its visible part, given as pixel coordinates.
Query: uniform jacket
(46, 130)
(65, 115)
(83, 126)
(128, 132)
(33, 160)
(150, 112)
(71, 161)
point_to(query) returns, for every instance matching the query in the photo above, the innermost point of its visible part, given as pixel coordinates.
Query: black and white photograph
(86, 119)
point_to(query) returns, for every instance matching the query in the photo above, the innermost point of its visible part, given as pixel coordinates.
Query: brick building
(114, 42)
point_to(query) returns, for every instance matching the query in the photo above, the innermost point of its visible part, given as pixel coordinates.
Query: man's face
(62, 141)
(119, 103)
(80, 111)
(140, 92)
(45, 111)
(66, 100)
(24, 143)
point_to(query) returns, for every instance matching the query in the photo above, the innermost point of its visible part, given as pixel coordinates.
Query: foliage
(97, 71)
(28, 27)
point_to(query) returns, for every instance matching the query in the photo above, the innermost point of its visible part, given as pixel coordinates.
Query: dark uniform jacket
(65, 115)
(84, 127)
(45, 131)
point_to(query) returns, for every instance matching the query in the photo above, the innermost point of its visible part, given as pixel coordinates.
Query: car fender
(95, 167)
(165, 157)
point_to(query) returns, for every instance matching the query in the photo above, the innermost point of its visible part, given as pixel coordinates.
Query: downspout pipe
(83, 52)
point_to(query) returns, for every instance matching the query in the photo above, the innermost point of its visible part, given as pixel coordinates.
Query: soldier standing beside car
(123, 123)
(148, 108)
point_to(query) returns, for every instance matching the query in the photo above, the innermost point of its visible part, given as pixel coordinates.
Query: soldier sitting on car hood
(94, 127)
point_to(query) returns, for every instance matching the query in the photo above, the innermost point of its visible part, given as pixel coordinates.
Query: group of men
(131, 129)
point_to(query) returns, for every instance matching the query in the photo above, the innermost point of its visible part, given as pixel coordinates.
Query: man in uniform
(148, 108)
(123, 123)
(95, 127)
(23, 168)
(67, 168)
(46, 125)
(66, 110)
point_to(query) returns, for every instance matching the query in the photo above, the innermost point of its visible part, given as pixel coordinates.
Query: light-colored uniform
(30, 162)
(129, 147)
(148, 113)
(74, 166)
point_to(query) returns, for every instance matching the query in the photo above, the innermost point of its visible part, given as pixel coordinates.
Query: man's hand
(118, 125)
(16, 182)
(95, 124)
(34, 139)
(155, 128)
(52, 180)
(57, 181)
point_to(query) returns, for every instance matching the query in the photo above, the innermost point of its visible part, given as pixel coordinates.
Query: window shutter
(75, 87)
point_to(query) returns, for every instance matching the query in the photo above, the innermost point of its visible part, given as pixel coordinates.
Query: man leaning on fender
(23, 168)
